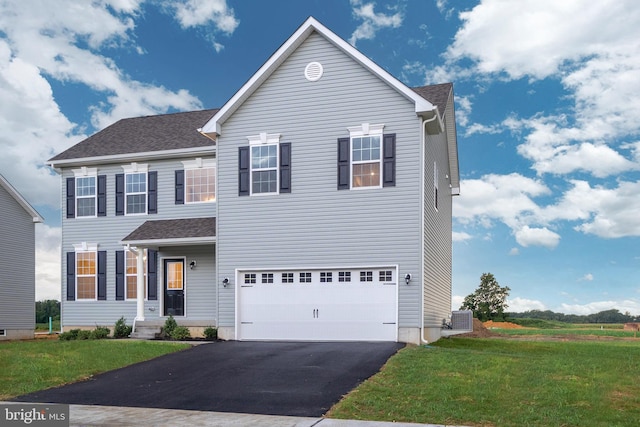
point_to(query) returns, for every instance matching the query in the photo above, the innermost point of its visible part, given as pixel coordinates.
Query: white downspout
(423, 132)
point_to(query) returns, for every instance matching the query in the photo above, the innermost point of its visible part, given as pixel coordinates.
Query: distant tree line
(606, 316)
(47, 308)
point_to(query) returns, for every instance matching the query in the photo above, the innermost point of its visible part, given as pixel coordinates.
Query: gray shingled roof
(438, 94)
(164, 229)
(144, 134)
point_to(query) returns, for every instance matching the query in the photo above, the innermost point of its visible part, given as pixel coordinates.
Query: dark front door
(174, 287)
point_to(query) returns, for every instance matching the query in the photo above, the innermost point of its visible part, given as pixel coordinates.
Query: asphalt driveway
(273, 378)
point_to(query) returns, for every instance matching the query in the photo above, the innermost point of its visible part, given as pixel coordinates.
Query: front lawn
(504, 382)
(29, 366)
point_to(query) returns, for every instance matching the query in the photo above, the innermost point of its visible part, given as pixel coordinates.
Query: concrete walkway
(99, 416)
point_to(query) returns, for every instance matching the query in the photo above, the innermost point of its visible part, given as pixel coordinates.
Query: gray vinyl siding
(17, 265)
(437, 234)
(109, 230)
(316, 225)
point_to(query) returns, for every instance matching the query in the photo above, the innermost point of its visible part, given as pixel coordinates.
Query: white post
(140, 284)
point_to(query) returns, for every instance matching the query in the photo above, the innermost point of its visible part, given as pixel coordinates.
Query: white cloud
(630, 305)
(528, 236)
(458, 236)
(48, 274)
(508, 198)
(514, 251)
(372, 22)
(193, 13)
(587, 278)
(456, 302)
(591, 48)
(520, 305)
(43, 41)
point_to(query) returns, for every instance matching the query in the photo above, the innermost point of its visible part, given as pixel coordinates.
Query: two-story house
(314, 205)
(17, 264)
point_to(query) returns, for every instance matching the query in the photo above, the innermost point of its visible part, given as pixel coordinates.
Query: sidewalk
(90, 415)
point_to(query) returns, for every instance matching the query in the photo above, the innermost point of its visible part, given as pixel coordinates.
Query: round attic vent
(313, 71)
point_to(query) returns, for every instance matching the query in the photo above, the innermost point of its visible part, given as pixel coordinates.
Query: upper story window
(264, 166)
(199, 180)
(367, 158)
(86, 194)
(136, 190)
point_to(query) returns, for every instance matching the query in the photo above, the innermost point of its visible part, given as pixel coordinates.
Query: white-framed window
(3, 333)
(131, 275)
(199, 180)
(366, 156)
(249, 278)
(86, 271)
(86, 180)
(344, 276)
(366, 276)
(287, 277)
(264, 152)
(305, 277)
(267, 277)
(326, 277)
(386, 276)
(135, 189)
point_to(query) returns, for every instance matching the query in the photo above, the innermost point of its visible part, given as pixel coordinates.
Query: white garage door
(317, 305)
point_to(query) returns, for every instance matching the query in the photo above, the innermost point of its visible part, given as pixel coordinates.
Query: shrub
(100, 332)
(211, 333)
(121, 329)
(169, 326)
(69, 335)
(180, 333)
(84, 335)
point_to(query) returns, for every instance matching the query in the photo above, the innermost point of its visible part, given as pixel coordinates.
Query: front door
(174, 287)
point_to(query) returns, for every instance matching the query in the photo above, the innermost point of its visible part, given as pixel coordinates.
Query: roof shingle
(142, 135)
(438, 94)
(173, 229)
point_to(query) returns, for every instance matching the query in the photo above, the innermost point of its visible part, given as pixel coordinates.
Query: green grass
(503, 382)
(44, 327)
(567, 333)
(29, 366)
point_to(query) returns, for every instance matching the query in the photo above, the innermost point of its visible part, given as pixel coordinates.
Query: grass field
(504, 382)
(29, 366)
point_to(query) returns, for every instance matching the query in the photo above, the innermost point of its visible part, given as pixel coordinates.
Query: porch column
(140, 284)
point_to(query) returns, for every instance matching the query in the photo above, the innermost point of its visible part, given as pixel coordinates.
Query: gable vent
(313, 71)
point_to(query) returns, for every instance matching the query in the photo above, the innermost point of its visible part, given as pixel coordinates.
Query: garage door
(317, 305)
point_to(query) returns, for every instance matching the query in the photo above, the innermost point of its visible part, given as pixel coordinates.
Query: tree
(488, 302)
(47, 308)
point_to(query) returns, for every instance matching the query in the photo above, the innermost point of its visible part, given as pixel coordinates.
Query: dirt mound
(490, 324)
(479, 331)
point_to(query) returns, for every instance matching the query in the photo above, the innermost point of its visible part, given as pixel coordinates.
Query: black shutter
(102, 275)
(285, 167)
(152, 192)
(71, 197)
(389, 160)
(71, 276)
(120, 194)
(120, 278)
(243, 171)
(152, 275)
(344, 160)
(180, 187)
(102, 195)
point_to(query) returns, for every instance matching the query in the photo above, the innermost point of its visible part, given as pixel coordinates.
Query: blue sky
(547, 109)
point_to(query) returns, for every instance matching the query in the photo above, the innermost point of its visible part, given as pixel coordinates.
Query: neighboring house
(17, 264)
(314, 205)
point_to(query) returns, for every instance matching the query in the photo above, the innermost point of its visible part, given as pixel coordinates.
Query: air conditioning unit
(460, 322)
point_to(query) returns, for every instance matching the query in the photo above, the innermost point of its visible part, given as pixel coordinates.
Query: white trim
(363, 131)
(3, 332)
(83, 173)
(136, 169)
(86, 248)
(21, 200)
(128, 250)
(178, 241)
(311, 25)
(264, 140)
(144, 156)
(199, 164)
